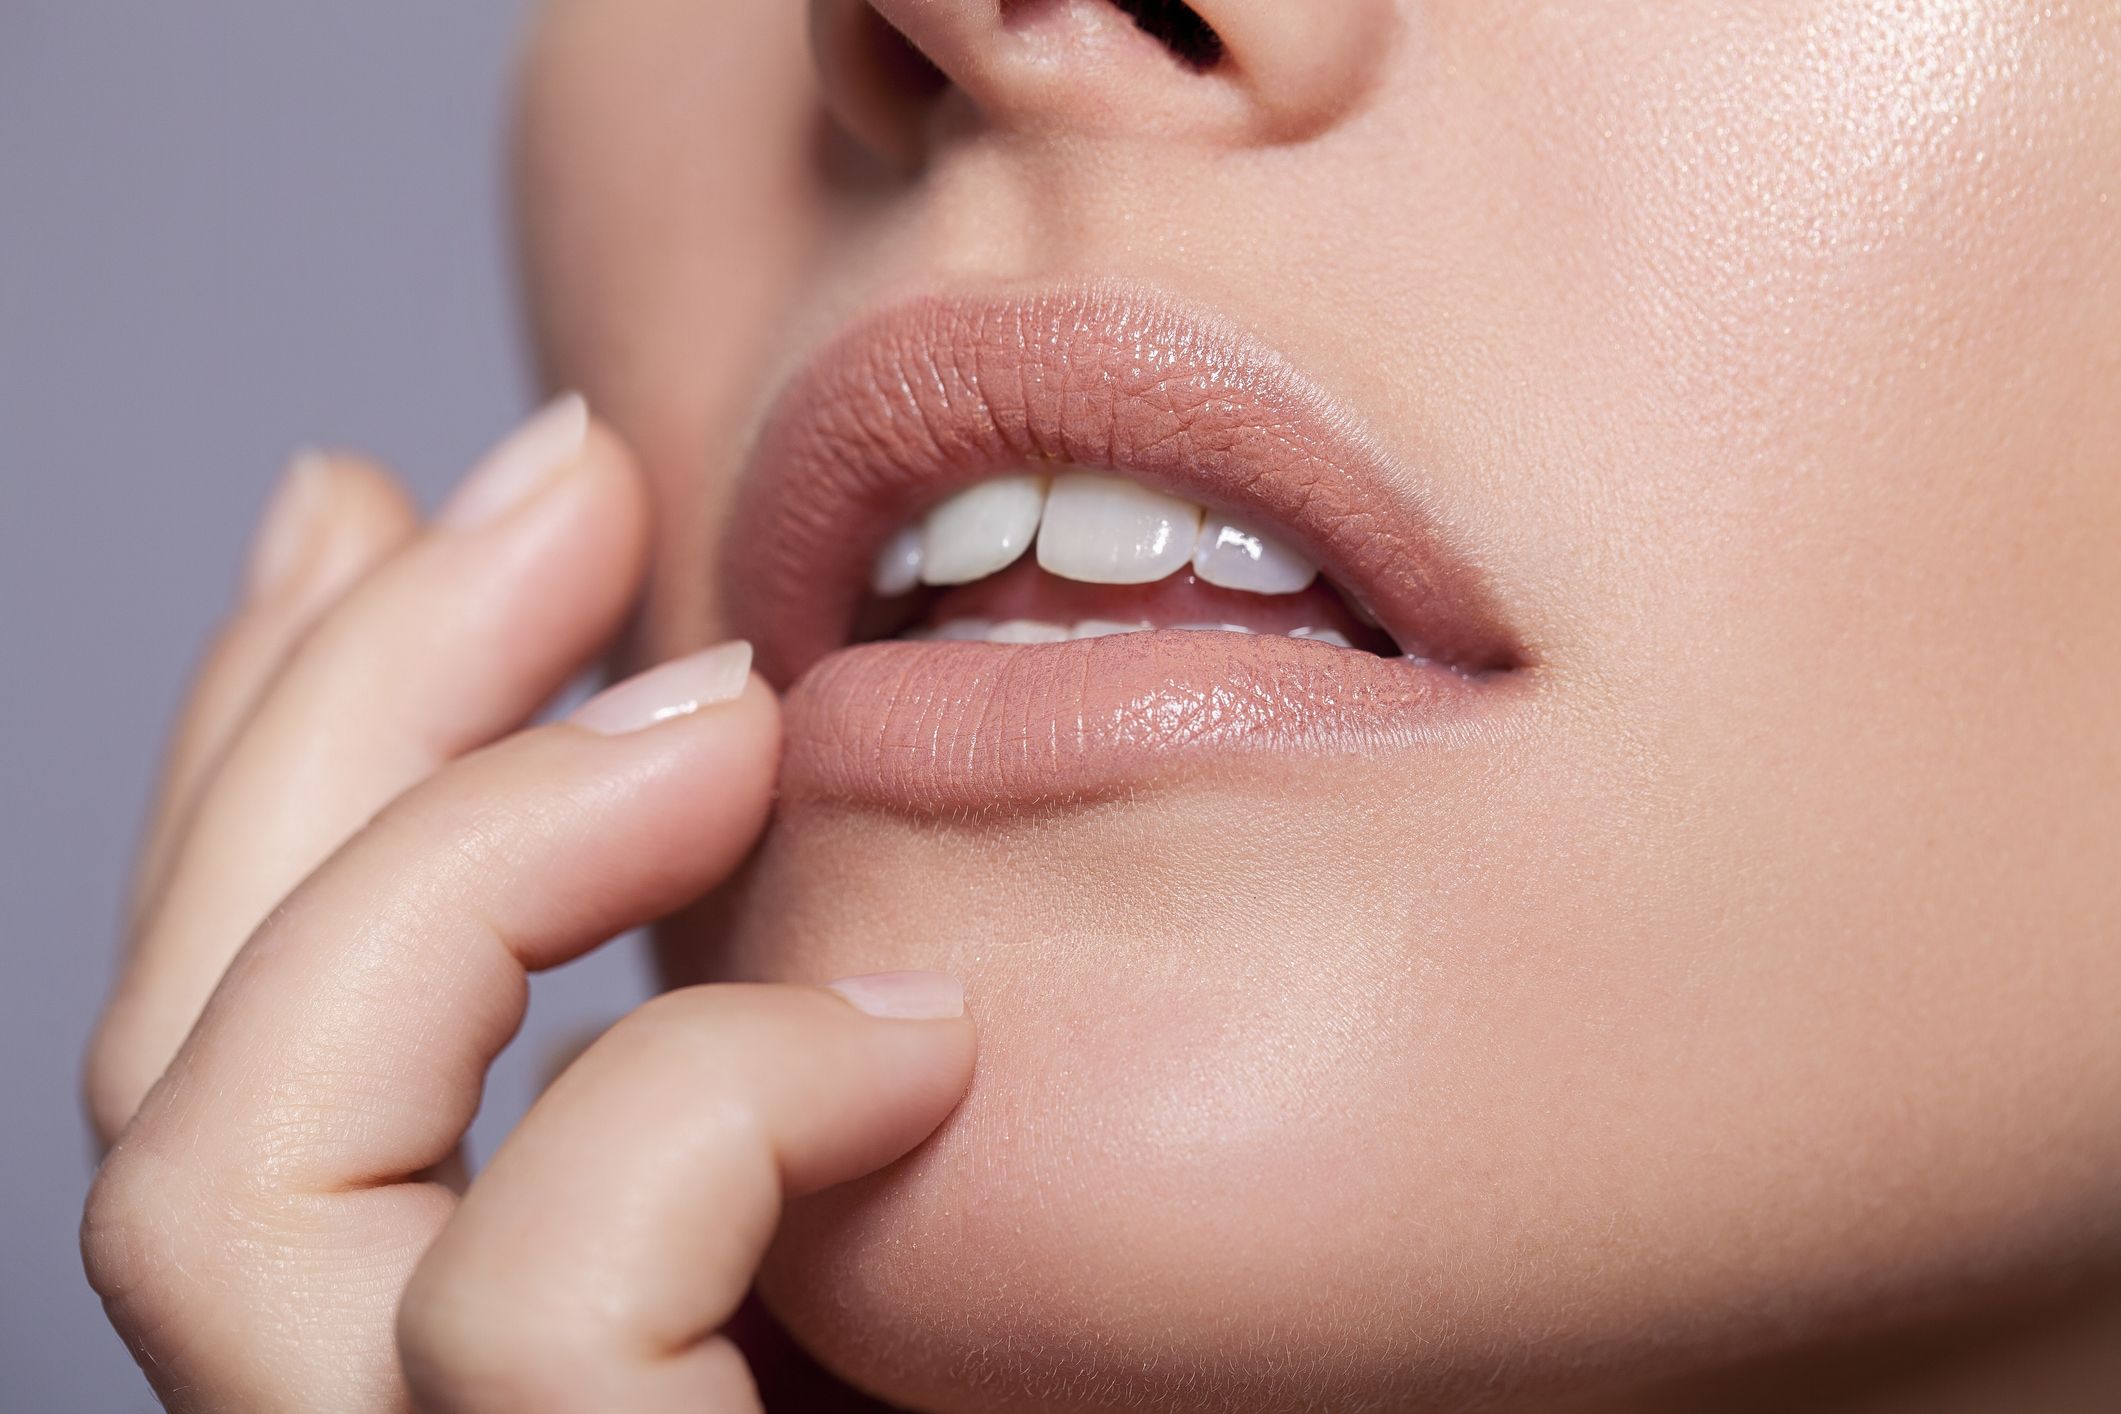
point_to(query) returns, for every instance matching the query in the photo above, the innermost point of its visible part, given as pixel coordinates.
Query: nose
(1209, 71)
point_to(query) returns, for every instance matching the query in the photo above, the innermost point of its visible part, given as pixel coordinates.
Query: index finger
(282, 1156)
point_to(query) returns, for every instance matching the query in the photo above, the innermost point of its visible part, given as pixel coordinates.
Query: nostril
(877, 82)
(897, 68)
(900, 76)
(1175, 25)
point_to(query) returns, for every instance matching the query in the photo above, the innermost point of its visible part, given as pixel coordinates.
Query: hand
(282, 1219)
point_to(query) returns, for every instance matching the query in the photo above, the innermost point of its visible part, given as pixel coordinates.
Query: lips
(912, 406)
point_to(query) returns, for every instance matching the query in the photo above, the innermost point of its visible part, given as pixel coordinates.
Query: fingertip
(725, 709)
(683, 686)
(329, 518)
(587, 526)
(909, 1070)
(746, 758)
(561, 464)
(904, 996)
(368, 494)
(669, 810)
(374, 514)
(846, 1089)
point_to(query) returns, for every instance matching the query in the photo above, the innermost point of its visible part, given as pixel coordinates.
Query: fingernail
(904, 996)
(287, 531)
(676, 689)
(512, 472)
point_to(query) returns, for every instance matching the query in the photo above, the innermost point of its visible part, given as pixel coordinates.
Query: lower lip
(939, 728)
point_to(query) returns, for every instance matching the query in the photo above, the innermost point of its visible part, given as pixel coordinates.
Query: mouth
(1011, 549)
(1065, 552)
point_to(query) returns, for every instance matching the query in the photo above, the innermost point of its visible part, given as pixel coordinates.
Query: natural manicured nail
(291, 527)
(512, 472)
(676, 689)
(905, 996)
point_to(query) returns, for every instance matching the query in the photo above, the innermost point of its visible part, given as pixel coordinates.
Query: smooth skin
(1751, 996)
(353, 870)
(1735, 1030)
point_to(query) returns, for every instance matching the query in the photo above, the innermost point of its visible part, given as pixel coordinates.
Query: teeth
(898, 564)
(981, 530)
(1237, 557)
(1099, 628)
(1018, 631)
(1027, 631)
(1096, 529)
(1036, 631)
(1108, 530)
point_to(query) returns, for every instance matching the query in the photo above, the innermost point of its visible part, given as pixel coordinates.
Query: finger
(457, 639)
(331, 520)
(705, 1109)
(278, 1160)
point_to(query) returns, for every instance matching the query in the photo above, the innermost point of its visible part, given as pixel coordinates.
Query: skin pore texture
(1734, 999)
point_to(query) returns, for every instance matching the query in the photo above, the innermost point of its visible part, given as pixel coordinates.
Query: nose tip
(1213, 71)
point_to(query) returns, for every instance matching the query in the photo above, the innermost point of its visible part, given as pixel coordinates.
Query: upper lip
(924, 398)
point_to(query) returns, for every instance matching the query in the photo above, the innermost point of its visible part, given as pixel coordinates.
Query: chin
(1192, 1169)
(1373, 1139)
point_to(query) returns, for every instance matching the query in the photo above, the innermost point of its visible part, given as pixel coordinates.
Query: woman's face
(1711, 948)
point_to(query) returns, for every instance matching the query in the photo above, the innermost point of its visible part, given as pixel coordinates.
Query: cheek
(1837, 310)
(670, 208)
(1843, 528)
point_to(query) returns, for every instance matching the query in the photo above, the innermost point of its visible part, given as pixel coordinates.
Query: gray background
(225, 230)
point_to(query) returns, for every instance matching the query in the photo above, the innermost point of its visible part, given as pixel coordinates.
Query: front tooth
(981, 529)
(961, 631)
(1212, 628)
(1100, 628)
(1027, 631)
(1108, 530)
(898, 564)
(1236, 556)
(1322, 635)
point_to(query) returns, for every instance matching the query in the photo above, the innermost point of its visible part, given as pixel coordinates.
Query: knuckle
(140, 1241)
(120, 1224)
(160, 1232)
(476, 816)
(468, 1346)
